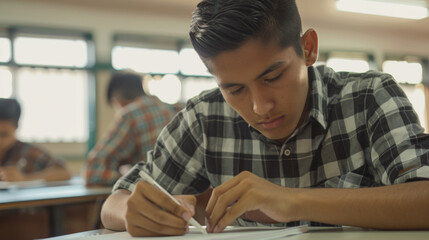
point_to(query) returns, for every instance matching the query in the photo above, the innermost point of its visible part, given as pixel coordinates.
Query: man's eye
(274, 78)
(236, 91)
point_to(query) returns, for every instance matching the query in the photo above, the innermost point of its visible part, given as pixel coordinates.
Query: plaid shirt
(361, 131)
(29, 158)
(133, 134)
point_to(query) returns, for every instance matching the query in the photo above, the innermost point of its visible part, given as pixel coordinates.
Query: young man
(280, 141)
(139, 122)
(21, 161)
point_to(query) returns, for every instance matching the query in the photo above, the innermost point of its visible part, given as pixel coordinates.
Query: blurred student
(140, 118)
(21, 161)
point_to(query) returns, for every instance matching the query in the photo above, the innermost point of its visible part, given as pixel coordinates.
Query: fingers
(226, 202)
(152, 213)
(145, 226)
(228, 207)
(188, 201)
(10, 173)
(223, 188)
(4, 176)
(163, 201)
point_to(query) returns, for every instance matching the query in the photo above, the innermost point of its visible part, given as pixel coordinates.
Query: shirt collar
(318, 97)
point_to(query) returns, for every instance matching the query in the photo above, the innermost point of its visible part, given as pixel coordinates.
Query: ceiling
(314, 13)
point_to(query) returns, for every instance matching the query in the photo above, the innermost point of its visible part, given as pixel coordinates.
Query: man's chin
(275, 137)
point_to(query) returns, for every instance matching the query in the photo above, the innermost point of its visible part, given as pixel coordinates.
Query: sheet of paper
(231, 233)
(22, 184)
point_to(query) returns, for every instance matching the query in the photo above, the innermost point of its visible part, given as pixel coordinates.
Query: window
(172, 75)
(54, 105)
(50, 80)
(145, 60)
(409, 75)
(166, 88)
(404, 72)
(6, 88)
(51, 52)
(191, 64)
(348, 62)
(5, 54)
(348, 65)
(192, 86)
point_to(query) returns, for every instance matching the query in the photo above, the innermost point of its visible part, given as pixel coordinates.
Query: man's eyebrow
(271, 68)
(227, 85)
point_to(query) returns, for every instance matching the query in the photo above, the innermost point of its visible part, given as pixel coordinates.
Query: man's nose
(263, 103)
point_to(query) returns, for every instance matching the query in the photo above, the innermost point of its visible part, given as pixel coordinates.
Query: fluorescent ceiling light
(393, 8)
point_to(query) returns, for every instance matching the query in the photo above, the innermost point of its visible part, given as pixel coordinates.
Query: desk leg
(56, 221)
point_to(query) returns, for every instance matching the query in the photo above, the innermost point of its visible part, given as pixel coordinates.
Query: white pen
(192, 221)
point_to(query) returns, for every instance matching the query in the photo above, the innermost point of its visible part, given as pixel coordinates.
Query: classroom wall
(104, 22)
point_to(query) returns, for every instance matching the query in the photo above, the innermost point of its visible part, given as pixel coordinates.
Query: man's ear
(309, 43)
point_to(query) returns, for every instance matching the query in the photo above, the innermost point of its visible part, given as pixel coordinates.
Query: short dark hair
(10, 110)
(223, 25)
(127, 86)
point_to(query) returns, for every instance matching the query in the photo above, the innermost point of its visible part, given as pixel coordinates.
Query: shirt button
(287, 152)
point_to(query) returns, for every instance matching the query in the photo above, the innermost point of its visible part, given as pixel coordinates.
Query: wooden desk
(314, 233)
(53, 199)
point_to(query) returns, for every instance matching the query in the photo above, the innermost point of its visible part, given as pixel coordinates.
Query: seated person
(281, 141)
(140, 118)
(21, 161)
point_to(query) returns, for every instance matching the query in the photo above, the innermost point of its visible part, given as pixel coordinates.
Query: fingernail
(215, 229)
(207, 224)
(186, 216)
(191, 208)
(187, 230)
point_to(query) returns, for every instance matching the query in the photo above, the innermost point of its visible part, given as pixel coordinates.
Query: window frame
(12, 32)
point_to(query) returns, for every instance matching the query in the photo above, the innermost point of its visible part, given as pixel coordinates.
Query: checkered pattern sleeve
(35, 159)
(105, 158)
(398, 147)
(176, 162)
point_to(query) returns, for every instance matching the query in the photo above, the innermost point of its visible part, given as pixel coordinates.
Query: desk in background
(56, 208)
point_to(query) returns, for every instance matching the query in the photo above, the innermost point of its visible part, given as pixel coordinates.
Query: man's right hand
(152, 213)
(11, 174)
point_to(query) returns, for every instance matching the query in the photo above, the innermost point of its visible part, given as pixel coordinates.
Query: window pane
(54, 52)
(194, 86)
(54, 105)
(6, 86)
(4, 49)
(167, 89)
(348, 65)
(145, 60)
(404, 72)
(191, 64)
